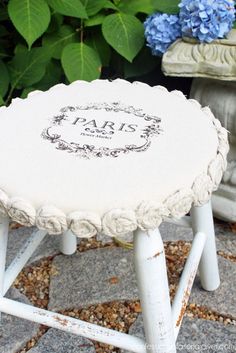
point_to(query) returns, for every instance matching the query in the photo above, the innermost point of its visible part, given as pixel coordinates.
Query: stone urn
(213, 67)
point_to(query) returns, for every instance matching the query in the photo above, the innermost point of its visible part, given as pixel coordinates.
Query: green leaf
(26, 91)
(73, 8)
(93, 6)
(4, 79)
(95, 20)
(29, 67)
(166, 6)
(142, 64)
(57, 41)
(109, 5)
(20, 48)
(80, 62)
(52, 76)
(30, 17)
(125, 33)
(132, 7)
(3, 53)
(1, 101)
(55, 23)
(98, 43)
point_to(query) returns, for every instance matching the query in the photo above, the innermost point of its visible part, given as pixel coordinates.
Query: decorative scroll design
(194, 59)
(86, 150)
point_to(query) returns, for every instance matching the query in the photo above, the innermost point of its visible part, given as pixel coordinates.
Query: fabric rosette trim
(84, 224)
(119, 222)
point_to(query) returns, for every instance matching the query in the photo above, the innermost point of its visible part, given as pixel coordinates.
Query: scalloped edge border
(119, 222)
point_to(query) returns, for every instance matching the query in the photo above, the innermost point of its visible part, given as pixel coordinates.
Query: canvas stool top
(107, 156)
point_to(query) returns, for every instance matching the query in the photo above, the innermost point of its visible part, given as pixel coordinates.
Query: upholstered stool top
(108, 156)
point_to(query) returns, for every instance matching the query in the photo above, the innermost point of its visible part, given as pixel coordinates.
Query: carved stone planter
(213, 67)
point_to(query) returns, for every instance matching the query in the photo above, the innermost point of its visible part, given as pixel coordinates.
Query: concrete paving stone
(197, 335)
(57, 341)
(92, 277)
(227, 246)
(49, 246)
(223, 299)
(172, 232)
(103, 275)
(223, 231)
(16, 332)
(225, 239)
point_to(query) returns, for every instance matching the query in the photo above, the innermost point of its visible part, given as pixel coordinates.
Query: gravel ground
(34, 282)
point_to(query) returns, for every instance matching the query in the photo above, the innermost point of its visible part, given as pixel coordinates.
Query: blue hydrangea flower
(161, 30)
(206, 20)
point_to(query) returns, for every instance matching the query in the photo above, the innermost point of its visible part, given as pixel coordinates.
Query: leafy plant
(44, 42)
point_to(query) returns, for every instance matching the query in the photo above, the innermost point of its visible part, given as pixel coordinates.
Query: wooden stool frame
(161, 321)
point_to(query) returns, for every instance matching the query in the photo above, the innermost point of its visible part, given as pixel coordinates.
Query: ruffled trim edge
(119, 222)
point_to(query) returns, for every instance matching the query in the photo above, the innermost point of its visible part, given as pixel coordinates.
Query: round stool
(112, 157)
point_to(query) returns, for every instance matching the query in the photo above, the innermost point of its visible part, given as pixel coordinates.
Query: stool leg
(68, 243)
(153, 288)
(202, 221)
(4, 225)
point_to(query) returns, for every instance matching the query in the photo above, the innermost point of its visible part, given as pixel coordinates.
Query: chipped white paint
(153, 288)
(75, 326)
(22, 257)
(202, 221)
(186, 281)
(161, 324)
(4, 224)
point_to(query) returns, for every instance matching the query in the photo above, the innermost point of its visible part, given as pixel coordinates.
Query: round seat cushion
(107, 156)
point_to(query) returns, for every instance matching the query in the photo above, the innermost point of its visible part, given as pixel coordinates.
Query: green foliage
(80, 62)
(124, 33)
(44, 42)
(30, 17)
(4, 79)
(167, 6)
(133, 7)
(72, 8)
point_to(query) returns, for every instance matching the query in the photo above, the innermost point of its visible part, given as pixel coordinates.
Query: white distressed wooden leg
(68, 244)
(4, 226)
(202, 221)
(153, 287)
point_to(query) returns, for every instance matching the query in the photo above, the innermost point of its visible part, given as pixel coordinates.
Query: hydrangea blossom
(161, 30)
(206, 20)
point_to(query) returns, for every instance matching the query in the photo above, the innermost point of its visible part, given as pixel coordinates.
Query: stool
(112, 157)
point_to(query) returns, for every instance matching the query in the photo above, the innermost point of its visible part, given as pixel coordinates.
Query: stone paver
(223, 231)
(56, 341)
(227, 246)
(85, 279)
(197, 335)
(222, 300)
(92, 277)
(225, 239)
(15, 332)
(171, 232)
(49, 246)
(103, 275)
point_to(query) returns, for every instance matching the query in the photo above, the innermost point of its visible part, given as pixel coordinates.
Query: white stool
(112, 157)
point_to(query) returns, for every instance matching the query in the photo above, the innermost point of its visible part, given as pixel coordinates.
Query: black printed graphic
(102, 129)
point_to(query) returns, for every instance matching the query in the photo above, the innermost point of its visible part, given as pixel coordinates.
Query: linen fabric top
(107, 156)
